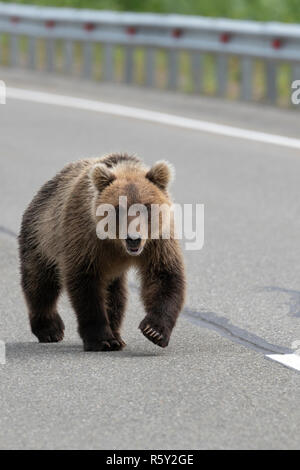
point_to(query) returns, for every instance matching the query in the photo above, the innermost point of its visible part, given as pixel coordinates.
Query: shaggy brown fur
(59, 249)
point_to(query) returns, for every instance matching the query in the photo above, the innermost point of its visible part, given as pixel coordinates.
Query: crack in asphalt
(223, 326)
(7, 231)
(215, 322)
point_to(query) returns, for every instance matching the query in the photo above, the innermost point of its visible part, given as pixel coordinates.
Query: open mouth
(133, 246)
(133, 251)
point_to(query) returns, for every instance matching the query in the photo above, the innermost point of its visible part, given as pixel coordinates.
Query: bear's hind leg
(87, 295)
(116, 299)
(41, 287)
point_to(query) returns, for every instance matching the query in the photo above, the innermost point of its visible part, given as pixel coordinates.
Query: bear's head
(132, 204)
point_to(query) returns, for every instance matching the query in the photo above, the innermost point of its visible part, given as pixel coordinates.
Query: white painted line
(289, 360)
(151, 116)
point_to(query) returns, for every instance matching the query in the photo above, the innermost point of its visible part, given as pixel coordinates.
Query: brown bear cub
(59, 248)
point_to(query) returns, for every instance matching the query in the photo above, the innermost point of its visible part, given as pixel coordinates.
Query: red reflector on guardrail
(177, 33)
(276, 43)
(225, 37)
(50, 24)
(89, 26)
(131, 30)
(15, 19)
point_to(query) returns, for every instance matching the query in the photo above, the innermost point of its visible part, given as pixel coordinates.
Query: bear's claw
(154, 336)
(50, 338)
(49, 330)
(104, 345)
(119, 339)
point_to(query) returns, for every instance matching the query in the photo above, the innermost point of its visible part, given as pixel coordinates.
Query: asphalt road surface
(213, 387)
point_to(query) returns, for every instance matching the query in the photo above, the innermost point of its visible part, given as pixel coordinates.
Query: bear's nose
(133, 243)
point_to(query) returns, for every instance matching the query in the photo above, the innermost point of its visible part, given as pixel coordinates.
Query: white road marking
(150, 116)
(290, 360)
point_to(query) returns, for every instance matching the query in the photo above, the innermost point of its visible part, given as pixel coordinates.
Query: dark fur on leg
(116, 299)
(163, 288)
(87, 297)
(40, 277)
(41, 287)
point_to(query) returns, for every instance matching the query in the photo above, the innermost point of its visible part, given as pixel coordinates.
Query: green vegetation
(261, 10)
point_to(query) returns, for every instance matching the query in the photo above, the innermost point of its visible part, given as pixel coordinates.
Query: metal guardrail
(247, 41)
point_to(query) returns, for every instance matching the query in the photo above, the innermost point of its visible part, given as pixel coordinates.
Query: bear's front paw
(48, 330)
(155, 332)
(111, 344)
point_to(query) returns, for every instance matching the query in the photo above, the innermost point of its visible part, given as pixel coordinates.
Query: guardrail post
(271, 82)
(296, 72)
(108, 72)
(87, 59)
(1, 49)
(173, 69)
(32, 52)
(68, 56)
(14, 50)
(150, 66)
(222, 74)
(50, 54)
(129, 64)
(197, 71)
(247, 77)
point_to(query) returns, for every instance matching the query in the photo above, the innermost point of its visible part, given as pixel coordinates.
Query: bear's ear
(101, 176)
(161, 174)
